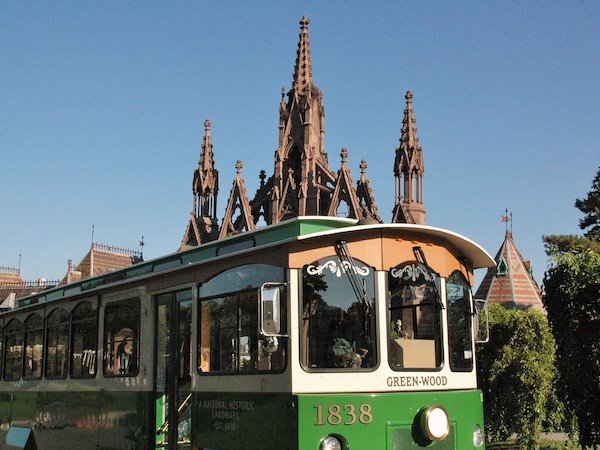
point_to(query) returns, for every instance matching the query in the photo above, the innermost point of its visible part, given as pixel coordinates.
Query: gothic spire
(238, 216)
(302, 179)
(202, 226)
(303, 68)
(409, 168)
(408, 137)
(206, 156)
(365, 195)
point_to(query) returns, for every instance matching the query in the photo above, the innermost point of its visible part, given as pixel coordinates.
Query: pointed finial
(206, 156)
(303, 67)
(363, 166)
(408, 135)
(262, 176)
(238, 167)
(344, 155)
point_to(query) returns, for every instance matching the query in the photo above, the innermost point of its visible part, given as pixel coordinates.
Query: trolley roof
(299, 228)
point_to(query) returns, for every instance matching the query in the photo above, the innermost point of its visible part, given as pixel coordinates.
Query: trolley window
(84, 340)
(121, 338)
(460, 337)
(1, 349)
(414, 318)
(13, 349)
(338, 324)
(34, 342)
(57, 344)
(229, 340)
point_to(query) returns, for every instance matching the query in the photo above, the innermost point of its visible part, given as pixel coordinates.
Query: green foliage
(556, 244)
(590, 206)
(516, 374)
(572, 298)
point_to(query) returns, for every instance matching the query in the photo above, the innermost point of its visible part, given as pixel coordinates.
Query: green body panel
(244, 421)
(386, 419)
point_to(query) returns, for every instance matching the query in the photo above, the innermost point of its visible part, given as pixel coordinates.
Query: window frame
(95, 318)
(252, 288)
(439, 340)
(20, 358)
(41, 330)
(47, 341)
(128, 302)
(305, 346)
(469, 315)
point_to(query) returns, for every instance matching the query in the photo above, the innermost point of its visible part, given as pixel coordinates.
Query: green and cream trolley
(316, 334)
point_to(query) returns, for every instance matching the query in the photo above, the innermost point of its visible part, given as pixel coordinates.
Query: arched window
(122, 338)
(338, 323)
(84, 340)
(13, 349)
(460, 337)
(57, 343)
(1, 348)
(414, 318)
(34, 343)
(228, 337)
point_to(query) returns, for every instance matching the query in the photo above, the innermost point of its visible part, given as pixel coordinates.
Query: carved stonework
(238, 216)
(202, 226)
(409, 168)
(302, 183)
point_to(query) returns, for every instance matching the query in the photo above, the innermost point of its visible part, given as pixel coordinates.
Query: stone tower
(302, 182)
(409, 168)
(202, 226)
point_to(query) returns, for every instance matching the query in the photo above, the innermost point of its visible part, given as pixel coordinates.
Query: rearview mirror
(270, 309)
(481, 322)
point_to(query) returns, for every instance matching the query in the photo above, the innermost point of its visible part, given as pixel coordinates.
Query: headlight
(478, 436)
(331, 443)
(435, 423)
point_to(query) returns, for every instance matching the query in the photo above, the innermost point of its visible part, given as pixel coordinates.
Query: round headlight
(478, 436)
(331, 443)
(435, 423)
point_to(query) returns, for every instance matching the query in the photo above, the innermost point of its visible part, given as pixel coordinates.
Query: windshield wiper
(420, 257)
(358, 285)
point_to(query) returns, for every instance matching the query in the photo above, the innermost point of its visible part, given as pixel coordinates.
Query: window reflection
(84, 340)
(121, 338)
(13, 347)
(229, 338)
(57, 343)
(34, 341)
(414, 318)
(337, 327)
(459, 323)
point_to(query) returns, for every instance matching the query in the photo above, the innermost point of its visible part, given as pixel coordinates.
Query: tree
(590, 206)
(516, 375)
(572, 299)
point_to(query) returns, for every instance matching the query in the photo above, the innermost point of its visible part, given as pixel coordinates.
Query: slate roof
(100, 259)
(510, 283)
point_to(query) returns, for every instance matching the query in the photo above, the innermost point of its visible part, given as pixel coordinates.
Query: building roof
(510, 283)
(100, 259)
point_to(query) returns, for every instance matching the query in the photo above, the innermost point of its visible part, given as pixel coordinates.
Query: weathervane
(507, 218)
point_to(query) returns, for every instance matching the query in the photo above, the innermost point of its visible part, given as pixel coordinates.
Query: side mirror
(481, 322)
(270, 309)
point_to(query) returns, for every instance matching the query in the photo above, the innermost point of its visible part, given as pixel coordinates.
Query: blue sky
(103, 103)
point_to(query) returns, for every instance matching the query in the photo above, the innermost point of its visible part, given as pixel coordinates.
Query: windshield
(338, 324)
(414, 318)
